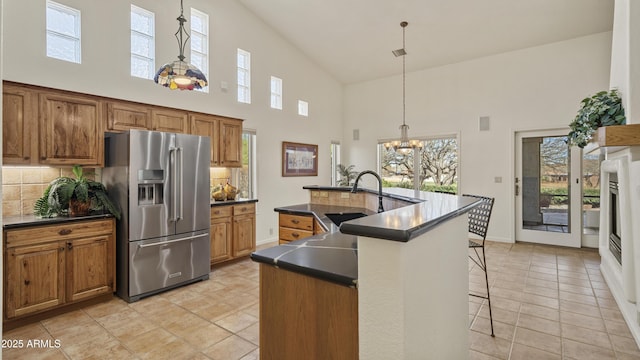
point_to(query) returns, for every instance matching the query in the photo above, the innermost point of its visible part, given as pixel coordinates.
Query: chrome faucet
(355, 186)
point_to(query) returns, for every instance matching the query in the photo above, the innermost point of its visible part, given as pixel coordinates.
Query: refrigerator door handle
(172, 174)
(142, 246)
(181, 162)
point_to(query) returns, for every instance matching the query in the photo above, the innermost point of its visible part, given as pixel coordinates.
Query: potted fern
(74, 197)
(602, 109)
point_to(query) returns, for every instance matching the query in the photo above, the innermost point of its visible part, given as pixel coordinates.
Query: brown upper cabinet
(170, 120)
(43, 126)
(226, 138)
(122, 116)
(19, 133)
(230, 143)
(70, 130)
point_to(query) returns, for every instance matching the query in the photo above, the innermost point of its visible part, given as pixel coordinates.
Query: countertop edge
(402, 235)
(315, 273)
(30, 220)
(233, 202)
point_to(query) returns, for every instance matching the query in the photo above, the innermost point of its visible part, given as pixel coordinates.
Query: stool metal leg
(482, 264)
(486, 278)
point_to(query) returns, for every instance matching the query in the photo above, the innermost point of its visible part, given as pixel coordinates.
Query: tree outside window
(437, 167)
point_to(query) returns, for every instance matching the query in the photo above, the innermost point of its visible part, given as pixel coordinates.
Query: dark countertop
(232, 202)
(430, 209)
(328, 256)
(332, 256)
(18, 221)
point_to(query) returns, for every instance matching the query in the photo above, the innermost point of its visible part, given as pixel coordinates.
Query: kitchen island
(403, 272)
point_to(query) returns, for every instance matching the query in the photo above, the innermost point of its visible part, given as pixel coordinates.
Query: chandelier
(179, 74)
(404, 145)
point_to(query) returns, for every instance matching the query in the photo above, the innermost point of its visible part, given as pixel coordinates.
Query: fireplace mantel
(609, 139)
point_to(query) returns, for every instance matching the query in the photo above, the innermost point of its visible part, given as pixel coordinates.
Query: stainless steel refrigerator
(161, 182)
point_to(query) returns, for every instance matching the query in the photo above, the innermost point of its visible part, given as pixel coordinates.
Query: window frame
(150, 38)
(77, 25)
(204, 65)
(251, 167)
(416, 184)
(244, 72)
(276, 93)
(303, 108)
(335, 153)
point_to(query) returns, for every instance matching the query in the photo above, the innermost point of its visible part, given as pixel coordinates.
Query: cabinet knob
(69, 246)
(27, 282)
(217, 212)
(65, 231)
(295, 235)
(295, 221)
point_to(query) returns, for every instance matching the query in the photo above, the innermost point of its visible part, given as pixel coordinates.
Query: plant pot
(79, 208)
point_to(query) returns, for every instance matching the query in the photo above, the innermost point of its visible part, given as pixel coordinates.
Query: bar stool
(478, 224)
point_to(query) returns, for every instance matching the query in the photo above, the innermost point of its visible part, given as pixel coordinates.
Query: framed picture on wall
(299, 159)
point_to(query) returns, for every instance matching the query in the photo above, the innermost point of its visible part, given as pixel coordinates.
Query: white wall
(625, 73)
(105, 71)
(535, 88)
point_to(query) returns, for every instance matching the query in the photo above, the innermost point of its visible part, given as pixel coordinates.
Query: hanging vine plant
(602, 109)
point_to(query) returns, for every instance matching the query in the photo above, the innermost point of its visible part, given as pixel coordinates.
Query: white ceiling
(353, 39)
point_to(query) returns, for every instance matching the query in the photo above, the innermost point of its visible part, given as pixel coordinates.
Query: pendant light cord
(182, 32)
(404, 86)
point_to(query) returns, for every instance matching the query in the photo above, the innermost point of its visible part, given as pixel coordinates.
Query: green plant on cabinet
(72, 196)
(602, 109)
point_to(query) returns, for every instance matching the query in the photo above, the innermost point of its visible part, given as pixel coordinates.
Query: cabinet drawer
(66, 231)
(221, 211)
(296, 222)
(244, 209)
(289, 234)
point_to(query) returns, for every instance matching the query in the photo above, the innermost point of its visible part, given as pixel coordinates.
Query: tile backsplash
(22, 186)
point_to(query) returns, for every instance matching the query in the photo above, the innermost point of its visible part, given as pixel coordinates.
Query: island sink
(339, 218)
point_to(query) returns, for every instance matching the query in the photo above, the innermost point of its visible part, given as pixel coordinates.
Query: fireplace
(615, 241)
(620, 231)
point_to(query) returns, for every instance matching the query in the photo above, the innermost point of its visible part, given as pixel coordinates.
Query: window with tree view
(433, 167)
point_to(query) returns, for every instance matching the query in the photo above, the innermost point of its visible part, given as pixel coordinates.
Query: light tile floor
(548, 303)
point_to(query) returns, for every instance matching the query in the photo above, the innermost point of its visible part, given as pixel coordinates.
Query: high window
(63, 32)
(276, 93)
(200, 42)
(303, 108)
(435, 164)
(142, 43)
(244, 76)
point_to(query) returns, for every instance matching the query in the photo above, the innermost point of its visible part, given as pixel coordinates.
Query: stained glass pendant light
(405, 145)
(180, 74)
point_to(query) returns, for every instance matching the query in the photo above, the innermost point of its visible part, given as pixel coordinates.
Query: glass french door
(548, 189)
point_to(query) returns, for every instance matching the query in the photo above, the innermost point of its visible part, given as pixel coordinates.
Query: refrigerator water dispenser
(150, 187)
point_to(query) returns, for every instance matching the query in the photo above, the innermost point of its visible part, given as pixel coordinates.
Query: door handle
(172, 173)
(517, 189)
(181, 157)
(142, 246)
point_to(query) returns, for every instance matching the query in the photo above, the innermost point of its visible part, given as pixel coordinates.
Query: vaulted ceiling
(353, 39)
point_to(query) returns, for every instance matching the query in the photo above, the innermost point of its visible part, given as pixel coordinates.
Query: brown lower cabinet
(302, 317)
(233, 231)
(293, 227)
(51, 266)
